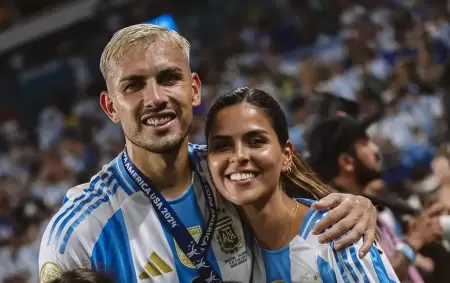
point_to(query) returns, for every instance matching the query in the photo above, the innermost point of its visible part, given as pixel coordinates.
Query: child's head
(83, 276)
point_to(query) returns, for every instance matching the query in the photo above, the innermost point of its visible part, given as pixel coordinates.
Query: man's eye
(169, 79)
(132, 87)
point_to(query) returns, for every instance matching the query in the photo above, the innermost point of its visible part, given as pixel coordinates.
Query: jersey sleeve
(346, 266)
(53, 260)
(52, 263)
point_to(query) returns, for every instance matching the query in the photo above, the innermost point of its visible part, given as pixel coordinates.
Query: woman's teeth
(241, 176)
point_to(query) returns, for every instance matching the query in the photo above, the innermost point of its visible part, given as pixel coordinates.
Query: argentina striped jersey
(109, 225)
(306, 260)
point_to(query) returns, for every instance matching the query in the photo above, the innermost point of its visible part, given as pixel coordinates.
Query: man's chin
(159, 145)
(166, 146)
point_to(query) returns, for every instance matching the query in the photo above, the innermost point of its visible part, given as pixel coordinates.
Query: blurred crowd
(383, 59)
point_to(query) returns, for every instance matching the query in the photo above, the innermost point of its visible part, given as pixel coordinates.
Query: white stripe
(303, 260)
(367, 264)
(146, 236)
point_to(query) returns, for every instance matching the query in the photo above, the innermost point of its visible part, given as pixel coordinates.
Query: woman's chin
(241, 199)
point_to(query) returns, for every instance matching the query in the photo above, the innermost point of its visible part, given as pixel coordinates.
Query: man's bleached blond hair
(137, 36)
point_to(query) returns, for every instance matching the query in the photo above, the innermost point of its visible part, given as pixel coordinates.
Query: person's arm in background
(421, 231)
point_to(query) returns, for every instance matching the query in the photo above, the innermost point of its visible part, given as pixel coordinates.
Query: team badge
(196, 233)
(50, 271)
(229, 241)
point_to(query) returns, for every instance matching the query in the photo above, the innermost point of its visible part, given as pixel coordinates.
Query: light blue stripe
(316, 216)
(379, 267)
(358, 264)
(339, 264)
(91, 195)
(343, 254)
(305, 201)
(277, 265)
(74, 203)
(83, 216)
(326, 273)
(112, 251)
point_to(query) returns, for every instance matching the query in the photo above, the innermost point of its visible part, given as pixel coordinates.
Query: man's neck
(348, 185)
(274, 215)
(170, 173)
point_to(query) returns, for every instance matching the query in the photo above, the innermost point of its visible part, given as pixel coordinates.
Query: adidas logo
(155, 267)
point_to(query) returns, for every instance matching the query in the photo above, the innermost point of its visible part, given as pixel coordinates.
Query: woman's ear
(288, 152)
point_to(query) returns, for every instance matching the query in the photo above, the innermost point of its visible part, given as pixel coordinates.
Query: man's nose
(155, 95)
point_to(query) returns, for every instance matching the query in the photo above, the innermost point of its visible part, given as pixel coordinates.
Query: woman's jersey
(306, 260)
(109, 225)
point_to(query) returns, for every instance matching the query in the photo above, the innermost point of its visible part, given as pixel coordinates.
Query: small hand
(424, 263)
(350, 215)
(423, 230)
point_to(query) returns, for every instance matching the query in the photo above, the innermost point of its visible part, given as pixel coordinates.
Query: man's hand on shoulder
(351, 217)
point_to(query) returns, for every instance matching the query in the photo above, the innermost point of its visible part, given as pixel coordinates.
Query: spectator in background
(395, 126)
(50, 126)
(6, 220)
(428, 71)
(343, 156)
(52, 180)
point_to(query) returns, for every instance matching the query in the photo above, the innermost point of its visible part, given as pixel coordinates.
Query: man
(343, 156)
(142, 218)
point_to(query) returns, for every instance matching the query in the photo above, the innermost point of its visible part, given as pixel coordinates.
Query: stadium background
(383, 58)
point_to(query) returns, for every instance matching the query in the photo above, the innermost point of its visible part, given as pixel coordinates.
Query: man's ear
(196, 90)
(346, 162)
(107, 104)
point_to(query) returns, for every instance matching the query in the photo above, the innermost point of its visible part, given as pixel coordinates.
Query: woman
(253, 165)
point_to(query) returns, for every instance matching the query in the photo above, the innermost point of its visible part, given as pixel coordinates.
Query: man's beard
(363, 174)
(165, 144)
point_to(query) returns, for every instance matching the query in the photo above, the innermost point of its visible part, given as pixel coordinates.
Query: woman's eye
(256, 142)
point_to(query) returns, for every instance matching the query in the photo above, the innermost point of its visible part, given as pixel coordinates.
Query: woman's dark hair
(83, 276)
(301, 175)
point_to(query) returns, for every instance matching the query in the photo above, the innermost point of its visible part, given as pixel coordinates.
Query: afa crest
(49, 272)
(196, 233)
(229, 241)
